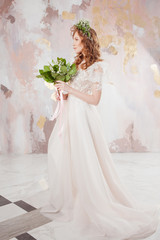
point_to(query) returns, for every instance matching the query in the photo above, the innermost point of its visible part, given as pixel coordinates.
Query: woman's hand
(57, 96)
(60, 85)
(65, 96)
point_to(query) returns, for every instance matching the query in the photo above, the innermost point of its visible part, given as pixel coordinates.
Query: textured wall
(34, 32)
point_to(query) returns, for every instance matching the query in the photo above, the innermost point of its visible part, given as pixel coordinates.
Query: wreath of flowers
(84, 26)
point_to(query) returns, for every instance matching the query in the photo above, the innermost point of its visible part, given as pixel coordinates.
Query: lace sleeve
(97, 77)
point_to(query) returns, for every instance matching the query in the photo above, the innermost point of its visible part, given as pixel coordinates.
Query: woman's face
(77, 44)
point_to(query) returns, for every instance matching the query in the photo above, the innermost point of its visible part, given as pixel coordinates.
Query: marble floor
(24, 190)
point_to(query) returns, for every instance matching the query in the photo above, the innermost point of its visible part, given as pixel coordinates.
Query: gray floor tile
(25, 206)
(4, 201)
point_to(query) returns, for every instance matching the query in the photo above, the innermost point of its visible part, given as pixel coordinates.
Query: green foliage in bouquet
(59, 70)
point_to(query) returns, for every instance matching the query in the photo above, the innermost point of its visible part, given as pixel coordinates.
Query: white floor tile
(9, 211)
(22, 175)
(45, 232)
(38, 200)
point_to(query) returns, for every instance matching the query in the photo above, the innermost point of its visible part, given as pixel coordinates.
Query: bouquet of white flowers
(60, 70)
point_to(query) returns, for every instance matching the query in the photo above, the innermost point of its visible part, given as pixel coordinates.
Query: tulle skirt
(88, 200)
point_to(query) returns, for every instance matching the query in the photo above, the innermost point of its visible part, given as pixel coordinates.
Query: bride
(84, 185)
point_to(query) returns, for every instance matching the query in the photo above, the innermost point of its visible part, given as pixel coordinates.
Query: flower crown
(83, 25)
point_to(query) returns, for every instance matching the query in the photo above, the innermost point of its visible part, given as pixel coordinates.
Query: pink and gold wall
(34, 32)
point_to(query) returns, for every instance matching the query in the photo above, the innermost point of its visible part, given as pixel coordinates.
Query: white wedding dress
(86, 193)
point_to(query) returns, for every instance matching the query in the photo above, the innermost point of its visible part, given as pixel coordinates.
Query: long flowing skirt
(85, 190)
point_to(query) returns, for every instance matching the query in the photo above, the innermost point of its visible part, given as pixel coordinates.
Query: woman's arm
(91, 99)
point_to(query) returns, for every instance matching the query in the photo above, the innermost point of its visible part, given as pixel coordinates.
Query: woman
(84, 185)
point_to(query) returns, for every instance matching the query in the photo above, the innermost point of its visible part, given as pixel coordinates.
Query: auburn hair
(91, 48)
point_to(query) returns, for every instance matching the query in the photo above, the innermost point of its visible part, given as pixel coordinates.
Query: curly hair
(91, 48)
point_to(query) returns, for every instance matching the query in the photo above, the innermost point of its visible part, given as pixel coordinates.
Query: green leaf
(39, 76)
(41, 71)
(72, 72)
(73, 69)
(56, 68)
(63, 61)
(60, 77)
(48, 77)
(46, 68)
(44, 73)
(67, 77)
(54, 75)
(63, 69)
(68, 65)
(73, 66)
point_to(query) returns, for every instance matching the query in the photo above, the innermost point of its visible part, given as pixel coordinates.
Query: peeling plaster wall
(34, 32)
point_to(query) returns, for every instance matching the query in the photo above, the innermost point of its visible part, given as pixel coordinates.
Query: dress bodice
(85, 79)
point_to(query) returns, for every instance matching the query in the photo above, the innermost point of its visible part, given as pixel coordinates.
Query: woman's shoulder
(94, 67)
(97, 66)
